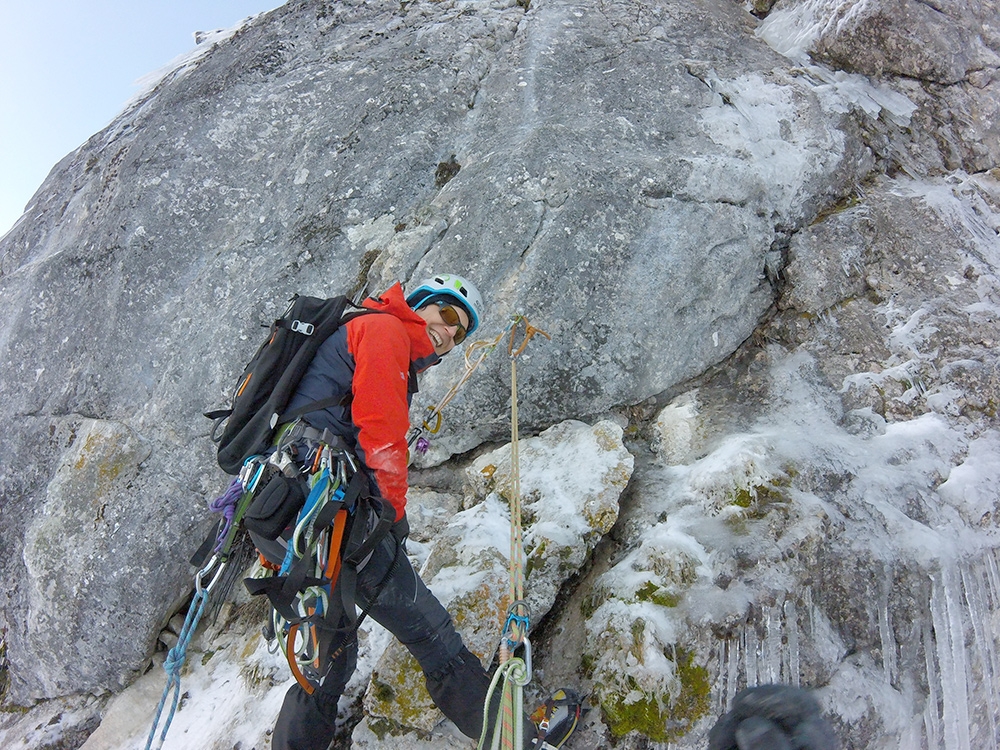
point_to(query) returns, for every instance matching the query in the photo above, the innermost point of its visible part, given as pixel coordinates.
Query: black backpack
(270, 379)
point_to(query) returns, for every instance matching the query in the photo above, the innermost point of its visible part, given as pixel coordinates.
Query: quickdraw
(178, 654)
(299, 640)
(232, 504)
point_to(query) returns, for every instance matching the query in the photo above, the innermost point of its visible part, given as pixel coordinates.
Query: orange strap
(267, 564)
(293, 664)
(529, 333)
(336, 538)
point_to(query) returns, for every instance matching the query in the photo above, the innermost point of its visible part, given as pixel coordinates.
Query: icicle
(772, 644)
(791, 674)
(886, 636)
(932, 717)
(733, 666)
(728, 677)
(984, 648)
(993, 579)
(993, 605)
(949, 636)
(718, 690)
(750, 654)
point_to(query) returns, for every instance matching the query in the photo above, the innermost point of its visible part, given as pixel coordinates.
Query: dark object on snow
(773, 717)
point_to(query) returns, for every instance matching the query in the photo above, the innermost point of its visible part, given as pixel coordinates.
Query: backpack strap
(323, 403)
(326, 403)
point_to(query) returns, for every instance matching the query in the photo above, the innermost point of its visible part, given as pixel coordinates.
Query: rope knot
(175, 659)
(517, 672)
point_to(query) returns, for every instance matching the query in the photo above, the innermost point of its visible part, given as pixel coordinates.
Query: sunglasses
(451, 317)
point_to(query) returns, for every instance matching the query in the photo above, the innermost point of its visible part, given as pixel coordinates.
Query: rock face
(571, 477)
(78, 516)
(766, 245)
(944, 56)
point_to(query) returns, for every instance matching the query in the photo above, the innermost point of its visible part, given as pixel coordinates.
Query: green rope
(516, 589)
(508, 733)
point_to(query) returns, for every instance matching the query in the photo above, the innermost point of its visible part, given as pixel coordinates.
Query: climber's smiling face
(446, 325)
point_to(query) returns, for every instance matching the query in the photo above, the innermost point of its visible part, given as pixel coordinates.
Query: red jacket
(375, 357)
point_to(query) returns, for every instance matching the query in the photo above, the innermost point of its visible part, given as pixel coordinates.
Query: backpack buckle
(305, 328)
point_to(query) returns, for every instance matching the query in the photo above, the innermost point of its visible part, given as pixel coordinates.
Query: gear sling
(312, 594)
(307, 479)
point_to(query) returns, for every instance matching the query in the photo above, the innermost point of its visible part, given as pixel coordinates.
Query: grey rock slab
(627, 157)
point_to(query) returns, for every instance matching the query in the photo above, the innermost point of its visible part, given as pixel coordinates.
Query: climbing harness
(514, 672)
(312, 592)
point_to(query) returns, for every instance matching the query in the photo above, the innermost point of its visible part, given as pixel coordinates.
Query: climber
(374, 359)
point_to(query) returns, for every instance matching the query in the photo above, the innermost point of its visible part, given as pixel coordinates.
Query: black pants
(455, 678)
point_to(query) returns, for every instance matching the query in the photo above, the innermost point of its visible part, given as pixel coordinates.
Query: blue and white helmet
(452, 286)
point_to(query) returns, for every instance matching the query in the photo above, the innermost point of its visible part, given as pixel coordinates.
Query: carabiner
(342, 472)
(252, 485)
(527, 659)
(204, 573)
(436, 415)
(512, 671)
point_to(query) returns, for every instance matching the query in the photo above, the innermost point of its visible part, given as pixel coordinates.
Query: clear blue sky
(67, 67)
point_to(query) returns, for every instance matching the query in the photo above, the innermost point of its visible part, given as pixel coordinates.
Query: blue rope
(227, 504)
(174, 663)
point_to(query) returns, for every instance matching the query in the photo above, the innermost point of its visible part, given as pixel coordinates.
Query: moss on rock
(650, 592)
(657, 716)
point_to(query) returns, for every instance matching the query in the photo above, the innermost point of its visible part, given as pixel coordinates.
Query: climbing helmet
(455, 289)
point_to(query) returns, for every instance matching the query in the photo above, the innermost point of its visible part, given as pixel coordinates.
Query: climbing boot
(557, 718)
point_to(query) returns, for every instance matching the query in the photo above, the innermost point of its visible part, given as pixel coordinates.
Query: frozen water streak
(956, 637)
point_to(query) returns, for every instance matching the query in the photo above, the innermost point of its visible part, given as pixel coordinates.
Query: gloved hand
(773, 717)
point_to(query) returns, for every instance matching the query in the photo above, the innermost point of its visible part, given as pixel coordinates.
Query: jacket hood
(393, 302)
